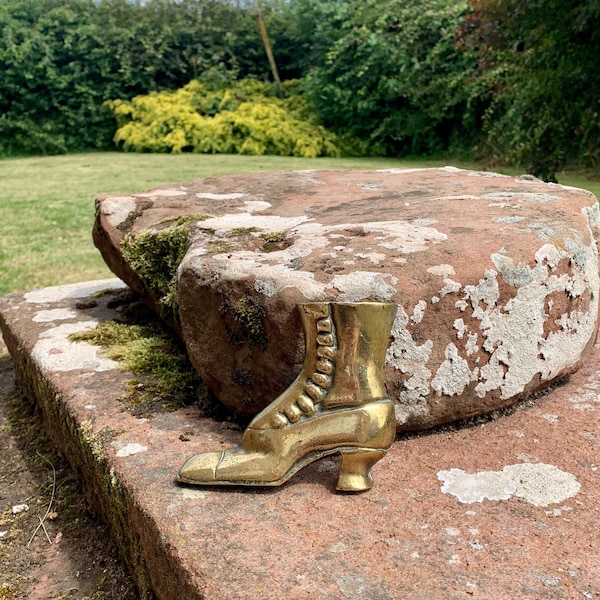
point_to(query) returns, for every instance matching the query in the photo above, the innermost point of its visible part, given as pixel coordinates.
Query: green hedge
(540, 73)
(61, 59)
(391, 73)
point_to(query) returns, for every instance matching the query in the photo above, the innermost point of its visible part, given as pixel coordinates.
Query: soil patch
(51, 545)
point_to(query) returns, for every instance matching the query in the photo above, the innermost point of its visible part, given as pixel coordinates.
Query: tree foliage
(246, 117)
(539, 69)
(390, 71)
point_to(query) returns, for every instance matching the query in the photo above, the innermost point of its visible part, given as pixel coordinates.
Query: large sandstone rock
(495, 278)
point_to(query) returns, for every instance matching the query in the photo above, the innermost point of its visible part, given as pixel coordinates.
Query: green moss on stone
(274, 241)
(105, 292)
(245, 322)
(220, 247)
(154, 255)
(239, 231)
(165, 380)
(185, 219)
(87, 434)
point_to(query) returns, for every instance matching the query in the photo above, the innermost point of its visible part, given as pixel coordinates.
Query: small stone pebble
(19, 508)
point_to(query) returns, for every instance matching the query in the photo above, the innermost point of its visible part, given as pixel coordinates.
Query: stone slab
(505, 508)
(495, 278)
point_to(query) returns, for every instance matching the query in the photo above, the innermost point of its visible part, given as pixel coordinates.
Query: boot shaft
(346, 344)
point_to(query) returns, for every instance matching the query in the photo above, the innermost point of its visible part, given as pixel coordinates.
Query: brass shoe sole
(354, 476)
(270, 457)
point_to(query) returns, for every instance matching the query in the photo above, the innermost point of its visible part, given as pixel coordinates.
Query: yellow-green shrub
(246, 118)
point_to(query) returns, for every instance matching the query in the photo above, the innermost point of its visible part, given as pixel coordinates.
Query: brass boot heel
(355, 470)
(338, 403)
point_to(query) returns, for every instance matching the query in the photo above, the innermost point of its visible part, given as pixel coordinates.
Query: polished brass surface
(338, 404)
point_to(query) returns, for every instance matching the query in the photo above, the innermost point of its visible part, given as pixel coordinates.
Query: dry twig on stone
(49, 505)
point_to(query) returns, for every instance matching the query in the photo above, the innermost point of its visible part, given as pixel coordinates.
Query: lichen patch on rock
(125, 449)
(73, 290)
(54, 314)
(538, 484)
(55, 352)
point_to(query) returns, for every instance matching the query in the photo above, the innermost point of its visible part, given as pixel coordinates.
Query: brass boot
(338, 404)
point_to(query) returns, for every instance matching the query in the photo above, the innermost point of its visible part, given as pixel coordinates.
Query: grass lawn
(47, 203)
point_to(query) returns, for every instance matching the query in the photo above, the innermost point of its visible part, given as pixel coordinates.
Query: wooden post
(267, 44)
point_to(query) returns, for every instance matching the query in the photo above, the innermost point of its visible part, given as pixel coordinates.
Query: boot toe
(200, 468)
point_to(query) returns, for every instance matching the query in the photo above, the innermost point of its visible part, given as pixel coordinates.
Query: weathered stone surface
(495, 278)
(506, 510)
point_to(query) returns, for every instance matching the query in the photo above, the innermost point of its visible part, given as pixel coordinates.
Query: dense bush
(540, 72)
(390, 71)
(61, 59)
(246, 117)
